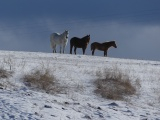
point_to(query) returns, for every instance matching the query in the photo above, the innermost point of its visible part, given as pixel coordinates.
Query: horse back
(99, 46)
(75, 41)
(96, 44)
(54, 37)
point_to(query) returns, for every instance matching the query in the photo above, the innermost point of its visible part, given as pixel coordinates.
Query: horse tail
(51, 40)
(71, 45)
(91, 47)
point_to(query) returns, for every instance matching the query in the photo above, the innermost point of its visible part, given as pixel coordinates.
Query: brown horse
(102, 46)
(79, 43)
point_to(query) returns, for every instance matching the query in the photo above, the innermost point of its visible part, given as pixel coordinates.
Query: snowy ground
(78, 72)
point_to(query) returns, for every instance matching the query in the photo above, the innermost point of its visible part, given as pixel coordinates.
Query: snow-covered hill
(78, 102)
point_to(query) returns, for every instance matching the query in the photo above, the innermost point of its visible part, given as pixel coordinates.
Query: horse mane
(65, 33)
(85, 36)
(109, 41)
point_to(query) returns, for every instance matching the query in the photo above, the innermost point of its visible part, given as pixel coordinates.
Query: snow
(79, 102)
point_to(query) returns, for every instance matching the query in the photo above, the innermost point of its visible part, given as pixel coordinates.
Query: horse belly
(102, 48)
(78, 46)
(55, 39)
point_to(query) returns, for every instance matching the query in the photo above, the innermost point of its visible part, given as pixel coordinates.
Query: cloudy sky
(25, 25)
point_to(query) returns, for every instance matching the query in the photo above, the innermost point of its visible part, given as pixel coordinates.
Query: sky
(26, 25)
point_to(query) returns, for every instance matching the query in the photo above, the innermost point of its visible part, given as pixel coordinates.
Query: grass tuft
(42, 80)
(5, 74)
(113, 84)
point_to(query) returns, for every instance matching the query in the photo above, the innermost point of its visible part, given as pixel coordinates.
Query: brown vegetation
(5, 74)
(42, 80)
(113, 84)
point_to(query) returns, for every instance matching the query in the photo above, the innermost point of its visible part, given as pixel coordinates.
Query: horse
(102, 46)
(79, 43)
(59, 39)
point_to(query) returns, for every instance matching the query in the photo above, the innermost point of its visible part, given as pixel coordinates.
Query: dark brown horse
(102, 46)
(79, 43)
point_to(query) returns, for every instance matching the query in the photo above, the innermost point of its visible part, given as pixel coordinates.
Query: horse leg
(83, 50)
(63, 49)
(54, 49)
(64, 46)
(75, 50)
(105, 53)
(71, 46)
(93, 51)
(60, 48)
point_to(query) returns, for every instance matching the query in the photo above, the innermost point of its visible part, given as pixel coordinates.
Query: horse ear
(66, 31)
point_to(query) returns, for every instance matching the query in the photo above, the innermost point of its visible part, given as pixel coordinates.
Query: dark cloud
(137, 10)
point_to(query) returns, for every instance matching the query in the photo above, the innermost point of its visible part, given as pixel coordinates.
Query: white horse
(59, 39)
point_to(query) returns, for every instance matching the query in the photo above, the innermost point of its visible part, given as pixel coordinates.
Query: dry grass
(42, 80)
(4, 77)
(114, 84)
(5, 74)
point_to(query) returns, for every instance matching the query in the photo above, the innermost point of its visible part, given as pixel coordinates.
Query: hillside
(76, 74)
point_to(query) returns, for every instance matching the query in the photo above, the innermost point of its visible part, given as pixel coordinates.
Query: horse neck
(84, 39)
(64, 35)
(109, 44)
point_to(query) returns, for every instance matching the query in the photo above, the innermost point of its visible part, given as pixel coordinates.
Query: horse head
(114, 44)
(87, 38)
(66, 34)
